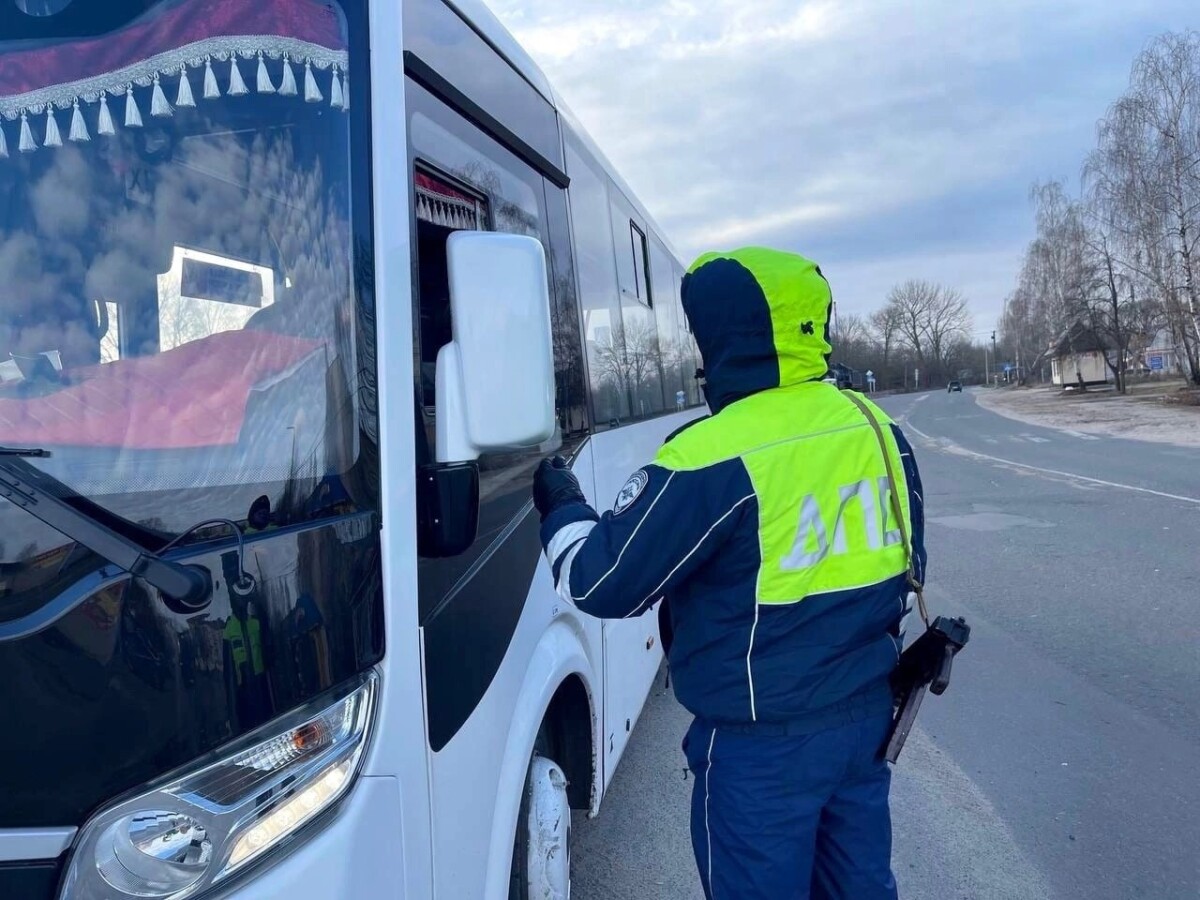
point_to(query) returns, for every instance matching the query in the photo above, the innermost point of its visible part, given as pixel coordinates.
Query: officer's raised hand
(554, 486)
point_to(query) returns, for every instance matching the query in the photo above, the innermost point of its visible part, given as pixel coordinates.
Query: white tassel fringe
(288, 85)
(312, 93)
(339, 98)
(237, 87)
(79, 131)
(265, 85)
(133, 115)
(28, 144)
(184, 97)
(335, 92)
(158, 101)
(105, 125)
(53, 135)
(211, 89)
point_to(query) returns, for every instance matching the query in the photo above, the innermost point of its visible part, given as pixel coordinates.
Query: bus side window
(641, 259)
(636, 367)
(673, 340)
(465, 181)
(599, 287)
(443, 207)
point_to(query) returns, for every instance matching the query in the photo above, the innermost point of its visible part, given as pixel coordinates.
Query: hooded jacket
(768, 525)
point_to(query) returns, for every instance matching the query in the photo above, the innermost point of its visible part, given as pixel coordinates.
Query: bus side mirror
(495, 379)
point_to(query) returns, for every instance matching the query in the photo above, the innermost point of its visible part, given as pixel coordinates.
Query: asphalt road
(1064, 762)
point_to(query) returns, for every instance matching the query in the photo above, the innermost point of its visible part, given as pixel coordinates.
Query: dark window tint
(599, 292)
(447, 44)
(637, 363)
(678, 372)
(443, 205)
(640, 260)
(689, 353)
(571, 403)
(465, 180)
(630, 242)
(180, 322)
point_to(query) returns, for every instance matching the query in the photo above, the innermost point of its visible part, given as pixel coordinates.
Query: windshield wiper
(43, 496)
(36, 452)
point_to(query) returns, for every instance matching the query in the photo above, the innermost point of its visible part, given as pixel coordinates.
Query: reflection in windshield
(177, 323)
(203, 294)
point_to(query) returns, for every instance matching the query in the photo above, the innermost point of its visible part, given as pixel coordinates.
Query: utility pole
(995, 359)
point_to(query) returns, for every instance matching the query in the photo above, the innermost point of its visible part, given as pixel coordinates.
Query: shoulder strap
(897, 510)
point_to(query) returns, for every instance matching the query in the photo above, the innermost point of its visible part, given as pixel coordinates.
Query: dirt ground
(1144, 415)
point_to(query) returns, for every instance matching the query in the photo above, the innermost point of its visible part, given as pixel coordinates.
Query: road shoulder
(1105, 414)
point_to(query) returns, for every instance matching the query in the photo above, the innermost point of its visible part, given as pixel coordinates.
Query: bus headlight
(248, 800)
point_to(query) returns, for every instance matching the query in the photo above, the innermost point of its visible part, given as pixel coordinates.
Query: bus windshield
(177, 310)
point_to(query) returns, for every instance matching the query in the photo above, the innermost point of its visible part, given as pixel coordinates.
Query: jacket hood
(761, 320)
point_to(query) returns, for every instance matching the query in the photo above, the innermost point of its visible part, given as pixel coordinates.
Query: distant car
(954, 386)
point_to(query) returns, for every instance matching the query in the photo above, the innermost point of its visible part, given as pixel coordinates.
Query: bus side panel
(400, 743)
(559, 654)
(632, 652)
(477, 777)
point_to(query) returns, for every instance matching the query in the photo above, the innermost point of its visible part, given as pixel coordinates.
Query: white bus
(297, 293)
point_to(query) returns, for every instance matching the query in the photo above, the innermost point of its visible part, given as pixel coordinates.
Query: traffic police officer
(768, 529)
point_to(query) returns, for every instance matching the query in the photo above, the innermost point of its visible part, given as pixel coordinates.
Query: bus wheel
(541, 868)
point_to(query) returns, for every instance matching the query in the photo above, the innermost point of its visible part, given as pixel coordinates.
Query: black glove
(555, 485)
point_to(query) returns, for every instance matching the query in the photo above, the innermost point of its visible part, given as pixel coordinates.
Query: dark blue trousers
(792, 817)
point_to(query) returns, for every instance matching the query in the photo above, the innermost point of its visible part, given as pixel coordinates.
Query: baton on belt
(927, 663)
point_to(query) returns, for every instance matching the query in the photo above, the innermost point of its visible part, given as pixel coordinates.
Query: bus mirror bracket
(447, 508)
(495, 379)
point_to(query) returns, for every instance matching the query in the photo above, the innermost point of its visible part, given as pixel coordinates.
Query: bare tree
(1027, 327)
(885, 325)
(852, 343)
(1024, 328)
(627, 358)
(1165, 95)
(927, 318)
(851, 328)
(1058, 268)
(909, 302)
(1144, 180)
(948, 322)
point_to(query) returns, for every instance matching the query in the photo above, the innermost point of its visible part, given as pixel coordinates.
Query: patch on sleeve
(631, 491)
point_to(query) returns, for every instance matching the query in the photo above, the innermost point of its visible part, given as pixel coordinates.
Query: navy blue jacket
(768, 526)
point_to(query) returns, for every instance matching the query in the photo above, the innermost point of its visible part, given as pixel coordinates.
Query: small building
(1162, 356)
(1080, 355)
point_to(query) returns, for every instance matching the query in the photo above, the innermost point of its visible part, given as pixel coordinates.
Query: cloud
(886, 140)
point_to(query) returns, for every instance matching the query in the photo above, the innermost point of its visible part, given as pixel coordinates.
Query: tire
(545, 789)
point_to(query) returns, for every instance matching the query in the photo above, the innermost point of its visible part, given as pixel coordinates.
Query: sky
(885, 140)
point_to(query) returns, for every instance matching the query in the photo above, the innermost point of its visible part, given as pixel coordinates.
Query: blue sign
(1156, 363)
(1008, 367)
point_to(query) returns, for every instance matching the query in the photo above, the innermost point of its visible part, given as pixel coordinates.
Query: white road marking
(1080, 435)
(952, 447)
(1036, 440)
